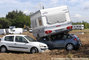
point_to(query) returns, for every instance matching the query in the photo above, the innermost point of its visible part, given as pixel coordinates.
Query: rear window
(9, 38)
(56, 18)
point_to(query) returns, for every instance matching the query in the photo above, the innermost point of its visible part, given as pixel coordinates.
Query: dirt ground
(83, 52)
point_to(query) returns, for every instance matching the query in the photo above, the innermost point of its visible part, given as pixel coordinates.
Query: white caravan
(50, 21)
(80, 27)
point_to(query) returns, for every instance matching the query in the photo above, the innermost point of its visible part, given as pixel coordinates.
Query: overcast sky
(79, 9)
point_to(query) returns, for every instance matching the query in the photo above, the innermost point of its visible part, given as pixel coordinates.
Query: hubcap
(69, 47)
(33, 50)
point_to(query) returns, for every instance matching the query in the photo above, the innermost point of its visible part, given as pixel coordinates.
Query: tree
(18, 18)
(4, 23)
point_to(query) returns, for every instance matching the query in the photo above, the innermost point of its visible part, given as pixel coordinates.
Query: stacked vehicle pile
(51, 26)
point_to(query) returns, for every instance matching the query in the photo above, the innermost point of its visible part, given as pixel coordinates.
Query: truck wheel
(69, 47)
(34, 50)
(3, 49)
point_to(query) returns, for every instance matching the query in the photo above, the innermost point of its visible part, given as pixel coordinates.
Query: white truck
(50, 21)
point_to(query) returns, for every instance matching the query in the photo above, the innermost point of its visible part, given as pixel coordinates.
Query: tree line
(15, 18)
(86, 24)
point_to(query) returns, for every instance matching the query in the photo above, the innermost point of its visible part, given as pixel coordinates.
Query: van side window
(40, 21)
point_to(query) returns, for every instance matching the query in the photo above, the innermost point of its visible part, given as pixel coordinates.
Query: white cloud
(54, 1)
(86, 5)
(75, 6)
(73, 0)
(27, 12)
(10, 5)
(7, 1)
(77, 16)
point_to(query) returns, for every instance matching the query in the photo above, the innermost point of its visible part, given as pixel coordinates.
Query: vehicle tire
(3, 49)
(69, 47)
(34, 50)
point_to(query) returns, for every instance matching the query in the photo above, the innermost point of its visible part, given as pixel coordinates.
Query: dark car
(67, 41)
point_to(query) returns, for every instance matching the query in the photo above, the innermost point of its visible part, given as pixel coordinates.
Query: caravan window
(56, 18)
(40, 21)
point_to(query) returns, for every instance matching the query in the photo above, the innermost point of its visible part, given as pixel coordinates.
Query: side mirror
(25, 42)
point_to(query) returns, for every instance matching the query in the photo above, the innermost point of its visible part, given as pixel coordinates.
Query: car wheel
(69, 47)
(34, 50)
(3, 49)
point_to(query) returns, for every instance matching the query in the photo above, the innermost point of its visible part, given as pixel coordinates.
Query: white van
(2, 31)
(15, 31)
(50, 21)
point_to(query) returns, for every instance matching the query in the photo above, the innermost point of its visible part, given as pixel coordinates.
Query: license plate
(59, 30)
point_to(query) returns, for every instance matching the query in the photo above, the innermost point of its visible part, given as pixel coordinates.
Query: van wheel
(34, 50)
(69, 47)
(3, 49)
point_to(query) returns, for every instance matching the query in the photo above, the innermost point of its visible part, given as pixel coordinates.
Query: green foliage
(86, 25)
(18, 18)
(4, 23)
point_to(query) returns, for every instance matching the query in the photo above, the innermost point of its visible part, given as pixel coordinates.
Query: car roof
(15, 35)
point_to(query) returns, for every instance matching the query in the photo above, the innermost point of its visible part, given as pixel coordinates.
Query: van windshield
(56, 18)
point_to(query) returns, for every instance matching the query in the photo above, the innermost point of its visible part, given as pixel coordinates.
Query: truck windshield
(29, 38)
(56, 18)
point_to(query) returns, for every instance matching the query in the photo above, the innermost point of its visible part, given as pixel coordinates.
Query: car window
(66, 37)
(61, 37)
(56, 37)
(29, 38)
(20, 39)
(9, 38)
(69, 37)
